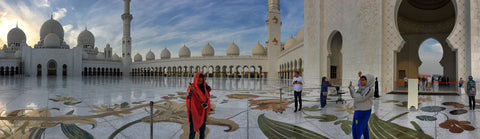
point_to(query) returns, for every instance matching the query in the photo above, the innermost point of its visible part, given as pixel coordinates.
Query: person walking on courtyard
(460, 85)
(405, 79)
(429, 83)
(471, 92)
(297, 89)
(376, 95)
(424, 84)
(198, 105)
(324, 91)
(362, 103)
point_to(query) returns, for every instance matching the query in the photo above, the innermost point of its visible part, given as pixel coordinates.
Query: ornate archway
(52, 68)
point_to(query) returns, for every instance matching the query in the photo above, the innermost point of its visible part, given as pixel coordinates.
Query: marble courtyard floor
(118, 107)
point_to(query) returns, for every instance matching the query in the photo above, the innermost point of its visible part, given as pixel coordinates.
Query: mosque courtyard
(118, 107)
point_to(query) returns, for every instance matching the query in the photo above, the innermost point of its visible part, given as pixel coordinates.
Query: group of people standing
(362, 100)
(198, 102)
(423, 82)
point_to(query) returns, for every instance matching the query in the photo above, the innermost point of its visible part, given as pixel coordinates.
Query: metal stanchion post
(151, 119)
(280, 98)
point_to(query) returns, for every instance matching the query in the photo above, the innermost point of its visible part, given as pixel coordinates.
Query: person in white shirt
(406, 81)
(429, 82)
(297, 89)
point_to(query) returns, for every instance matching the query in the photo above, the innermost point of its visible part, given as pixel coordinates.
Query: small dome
(233, 50)
(86, 37)
(85, 55)
(258, 50)
(184, 52)
(101, 56)
(300, 35)
(115, 57)
(18, 54)
(165, 54)
(16, 35)
(51, 41)
(290, 43)
(137, 58)
(208, 50)
(150, 56)
(51, 26)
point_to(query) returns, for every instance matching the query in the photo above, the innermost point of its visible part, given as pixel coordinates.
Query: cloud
(67, 28)
(59, 14)
(41, 3)
(29, 18)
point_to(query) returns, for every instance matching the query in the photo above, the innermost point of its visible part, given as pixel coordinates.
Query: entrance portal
(52, 68)
(417, 21)
(335, 58)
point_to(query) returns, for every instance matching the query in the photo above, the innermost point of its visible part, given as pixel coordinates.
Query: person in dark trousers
(471, 92)
(198, 105)
(362, 103)
(297, 89)
(324, 91)
(376, 95)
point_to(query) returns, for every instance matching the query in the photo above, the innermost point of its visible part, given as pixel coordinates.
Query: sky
(156, 24)
(430, 53)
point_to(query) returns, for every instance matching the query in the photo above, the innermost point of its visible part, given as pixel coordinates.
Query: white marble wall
(359, 22)
(475, 38)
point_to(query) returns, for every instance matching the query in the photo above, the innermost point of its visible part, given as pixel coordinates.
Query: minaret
(126, 39)
(274, 43)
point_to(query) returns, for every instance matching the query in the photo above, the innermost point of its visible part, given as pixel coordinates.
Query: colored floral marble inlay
(122, 110)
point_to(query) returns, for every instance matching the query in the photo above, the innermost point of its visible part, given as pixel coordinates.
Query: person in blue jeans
(362, 103)
(471, 92)
(297, 89)
(324, 91)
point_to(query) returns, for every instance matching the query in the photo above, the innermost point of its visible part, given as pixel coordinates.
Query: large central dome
(51, 26)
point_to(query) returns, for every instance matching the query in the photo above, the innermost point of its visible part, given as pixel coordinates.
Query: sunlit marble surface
(34, 93)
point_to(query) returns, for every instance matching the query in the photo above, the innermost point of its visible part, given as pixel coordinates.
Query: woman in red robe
(198, 105)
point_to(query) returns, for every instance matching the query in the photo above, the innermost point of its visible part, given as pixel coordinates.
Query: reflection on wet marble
(235, 116)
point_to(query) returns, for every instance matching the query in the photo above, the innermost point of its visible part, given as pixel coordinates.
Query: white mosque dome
(16, 35)
(101, 56)
(300, 35)
(52, 41)
(233, 50)
(184, 52)
(165, 54)
(137, 58)
(18, 54)
(208, 50)
(85, 54)
(86, 37)
(150, 56)
(291, 42)
(115, 57)
(258, 50)
(49, 27)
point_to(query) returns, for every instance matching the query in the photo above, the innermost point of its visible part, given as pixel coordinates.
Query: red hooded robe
(195, 108)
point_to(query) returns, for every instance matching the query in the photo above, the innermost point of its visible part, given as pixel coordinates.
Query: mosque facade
(342, 37)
